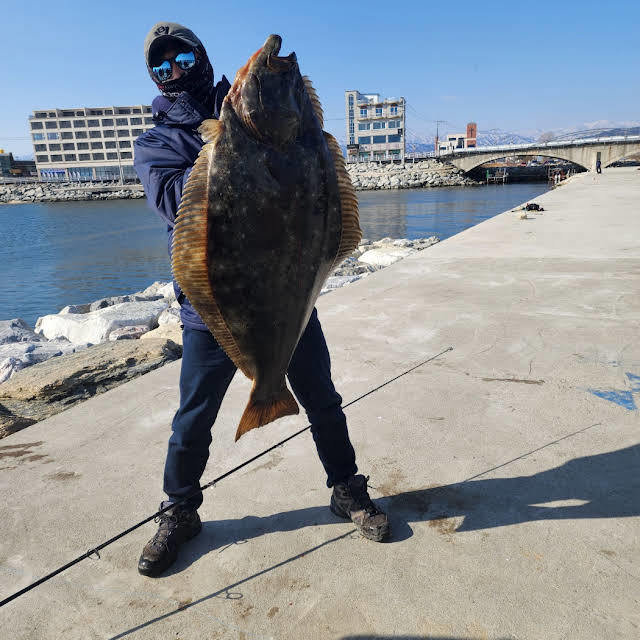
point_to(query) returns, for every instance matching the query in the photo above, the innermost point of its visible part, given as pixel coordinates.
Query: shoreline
(364, 176)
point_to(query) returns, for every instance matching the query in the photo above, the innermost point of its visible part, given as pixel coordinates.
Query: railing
(542, 145)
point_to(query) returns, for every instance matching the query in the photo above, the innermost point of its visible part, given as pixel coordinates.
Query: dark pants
(204, 378)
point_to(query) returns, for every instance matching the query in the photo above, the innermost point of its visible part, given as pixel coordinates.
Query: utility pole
(437, 146)
(404, 130)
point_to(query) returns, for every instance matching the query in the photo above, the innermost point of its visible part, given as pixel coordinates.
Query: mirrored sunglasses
(164, 71)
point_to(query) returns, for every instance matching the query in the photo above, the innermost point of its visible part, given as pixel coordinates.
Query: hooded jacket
(164, 158)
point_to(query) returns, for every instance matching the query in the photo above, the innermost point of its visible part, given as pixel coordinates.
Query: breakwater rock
(426, 173)
(65, 192)
(88, 348)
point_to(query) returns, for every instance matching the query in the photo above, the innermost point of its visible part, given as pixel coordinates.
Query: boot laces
(361, 496)
(168, 524)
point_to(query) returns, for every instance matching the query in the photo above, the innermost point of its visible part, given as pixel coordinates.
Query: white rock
(167, 291)
(132, 332)
(335, 282)
(76, 308)
(17, 330)
(169, 316)
(95, 327)
(385, 256)
(166, 332)
(16, 356)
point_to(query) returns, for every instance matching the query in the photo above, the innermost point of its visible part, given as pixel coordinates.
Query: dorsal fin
(315, 101)
(351, 232)
(189, 248)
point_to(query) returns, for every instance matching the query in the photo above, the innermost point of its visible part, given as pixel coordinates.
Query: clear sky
(517, 66)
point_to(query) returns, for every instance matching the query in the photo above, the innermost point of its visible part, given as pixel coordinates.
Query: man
(164, 156)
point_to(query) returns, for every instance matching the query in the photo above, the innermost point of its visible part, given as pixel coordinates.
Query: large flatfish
(267, 213)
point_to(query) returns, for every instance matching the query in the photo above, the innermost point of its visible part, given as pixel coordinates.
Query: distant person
(598, 166)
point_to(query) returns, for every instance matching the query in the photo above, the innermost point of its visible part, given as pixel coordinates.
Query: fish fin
(189, 257)
(210, 129)
(315, 101)
(351, 232)
(257, 414)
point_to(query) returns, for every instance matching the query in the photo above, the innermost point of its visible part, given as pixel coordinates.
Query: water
(56, 254)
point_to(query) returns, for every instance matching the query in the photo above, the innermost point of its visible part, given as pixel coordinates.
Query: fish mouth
(274, 62)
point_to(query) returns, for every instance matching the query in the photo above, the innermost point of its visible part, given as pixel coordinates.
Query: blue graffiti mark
(634, 380)
(622, 398)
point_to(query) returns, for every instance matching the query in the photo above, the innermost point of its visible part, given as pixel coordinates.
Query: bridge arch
(472, 163)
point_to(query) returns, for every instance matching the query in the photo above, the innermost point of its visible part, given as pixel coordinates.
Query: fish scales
(267, 212)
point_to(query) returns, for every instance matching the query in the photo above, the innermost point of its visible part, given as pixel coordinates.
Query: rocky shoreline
(86, 349)
(365, 177)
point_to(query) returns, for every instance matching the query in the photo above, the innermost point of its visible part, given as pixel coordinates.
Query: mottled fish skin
(268, 187)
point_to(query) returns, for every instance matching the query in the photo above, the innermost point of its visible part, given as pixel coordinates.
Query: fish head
(268, 94)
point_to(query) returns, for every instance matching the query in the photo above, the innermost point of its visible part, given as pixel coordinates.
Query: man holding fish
(259, 210)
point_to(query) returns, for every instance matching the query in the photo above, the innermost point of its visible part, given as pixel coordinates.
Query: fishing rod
(96, 550)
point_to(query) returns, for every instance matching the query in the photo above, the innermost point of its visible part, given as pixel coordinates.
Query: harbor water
(55, 254)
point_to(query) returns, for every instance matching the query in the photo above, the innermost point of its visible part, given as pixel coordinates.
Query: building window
(125, 155)
(394, 124)
(394, 138)
(136, 120)
(65, 124)
(136, 132)
(98, 156)
(95, 134)
(136, 110)
(107, 122)
(54, 147)
(41, 114)
(364, 126)
(378, 111)
(82, 145)
(352, 140)
(108, 133)
(70, 157)
(350, 100)
(123, 133)
(351, 113)
(40, 147)
(79, 124)
(81, 134)
(52, 136)
(96, 112)
(121, 122)
(66, 114)
(112, 155)
(42, 158)
(96, 145)
(364, 155)
(379, 139)
(110, 145)
(51, 125)
(363, 113)
(84, 156)
(123, 110)
(364, 140)
(379, 125)
(124, 144)
(79, 113)
(38, 136)
(69, 146)
(36, 125)
(56, 158)
(66, 135)
(393, 110)
(394, 152)
(52, 114)
(93, 123)
(148, 120)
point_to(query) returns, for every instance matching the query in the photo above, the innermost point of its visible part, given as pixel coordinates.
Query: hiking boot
(177, 525)
(350, 500)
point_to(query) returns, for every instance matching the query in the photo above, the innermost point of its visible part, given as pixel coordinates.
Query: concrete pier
(509, 465)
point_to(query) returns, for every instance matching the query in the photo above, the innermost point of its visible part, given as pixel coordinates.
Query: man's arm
(163, 173)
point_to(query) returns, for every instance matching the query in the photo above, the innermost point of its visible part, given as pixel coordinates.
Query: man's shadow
(606, 485)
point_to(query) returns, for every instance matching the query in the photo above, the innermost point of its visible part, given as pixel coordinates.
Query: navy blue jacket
(164, 157)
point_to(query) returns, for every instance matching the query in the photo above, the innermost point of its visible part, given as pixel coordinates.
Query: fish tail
(261, 412)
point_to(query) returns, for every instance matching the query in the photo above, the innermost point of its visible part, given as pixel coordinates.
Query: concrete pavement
(509, 465)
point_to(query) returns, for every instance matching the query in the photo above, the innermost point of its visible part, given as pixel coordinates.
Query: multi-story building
(455, 141)
(86, 143)
(6, 162)
(375, 127)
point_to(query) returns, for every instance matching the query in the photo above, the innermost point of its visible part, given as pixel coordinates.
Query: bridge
(581, 151)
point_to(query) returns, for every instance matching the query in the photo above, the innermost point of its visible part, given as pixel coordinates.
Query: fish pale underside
(266, 215)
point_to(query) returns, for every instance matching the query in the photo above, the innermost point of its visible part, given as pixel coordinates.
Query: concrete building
(86, 143)
(6, 162)
(375, 127)
(454, 141)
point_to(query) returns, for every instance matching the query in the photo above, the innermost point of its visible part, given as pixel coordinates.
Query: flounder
(266, 214)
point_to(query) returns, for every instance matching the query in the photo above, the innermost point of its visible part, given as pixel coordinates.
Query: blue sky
(516, 66)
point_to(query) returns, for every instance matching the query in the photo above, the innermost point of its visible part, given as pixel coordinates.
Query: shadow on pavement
(607, 486)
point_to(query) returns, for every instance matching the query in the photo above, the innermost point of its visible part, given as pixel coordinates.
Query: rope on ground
(96, 550)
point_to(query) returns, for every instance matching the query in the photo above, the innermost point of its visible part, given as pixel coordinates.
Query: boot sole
(155, 571)
(378, 535)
